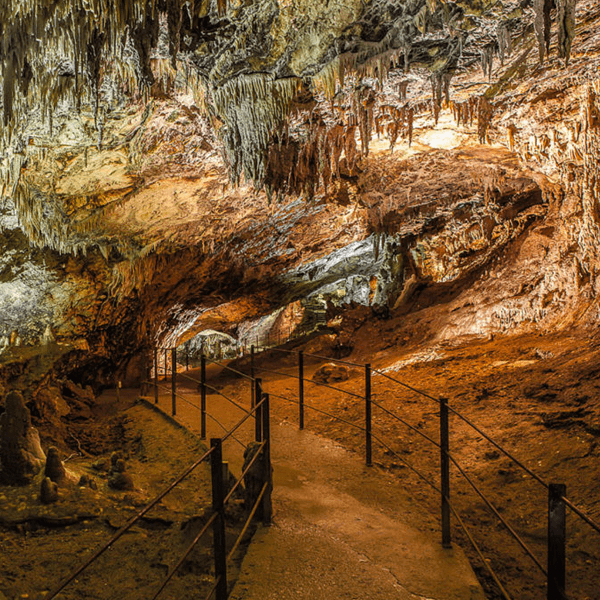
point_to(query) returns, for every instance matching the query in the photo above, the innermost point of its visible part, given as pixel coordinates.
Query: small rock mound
(48, 491)
(55, 470)
(331, 373)
(118, 479)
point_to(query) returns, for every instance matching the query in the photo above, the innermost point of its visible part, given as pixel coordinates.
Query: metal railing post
(253, 385)
(557, 534)
(219, 550)
(258, 412)
(155, 375)
(267, 505)
(203, 397)
(301, 389)
(166, 365)
(144, 375)
(187, 359)
(173, 381)
(368, 417)
(445, 472)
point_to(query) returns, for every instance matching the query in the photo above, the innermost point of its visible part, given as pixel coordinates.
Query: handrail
(337, 389)
(337, 360)
(412, 427)
(127, 526)
(214, 362)
(213, 589)
(504, 522)
(187, 552)
(243, 420)
(475, 545)
(320, 411)
(581, 514)
(248, 521)
(216, 391)
(245, 472)
(409, 387)
(225, 429)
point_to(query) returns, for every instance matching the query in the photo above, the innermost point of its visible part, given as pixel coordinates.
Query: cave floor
(339, 530)
(535, 395)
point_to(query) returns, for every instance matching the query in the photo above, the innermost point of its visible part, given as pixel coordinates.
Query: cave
(298, 300)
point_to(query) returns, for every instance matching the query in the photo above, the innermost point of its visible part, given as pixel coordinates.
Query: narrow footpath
(338, 532)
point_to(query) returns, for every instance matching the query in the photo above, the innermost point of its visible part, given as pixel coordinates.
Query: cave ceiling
(205, 155)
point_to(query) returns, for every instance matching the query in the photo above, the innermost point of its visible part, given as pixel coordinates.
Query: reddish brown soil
(537, 396)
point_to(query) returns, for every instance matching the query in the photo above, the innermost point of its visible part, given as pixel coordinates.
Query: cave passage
(382, 216)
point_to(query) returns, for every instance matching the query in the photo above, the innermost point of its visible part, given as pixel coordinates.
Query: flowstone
(21, 455)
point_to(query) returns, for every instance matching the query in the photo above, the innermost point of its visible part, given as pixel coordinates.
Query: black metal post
(155, 375)
(267, 505)
(166, 366)
(219, 549)
(203, 397)
(557, 539)
(144, 376)
(173, 381)
(445, 472)
(253, 384)
(368, 418)
(301, 389)
(258, 411)
(187, 358)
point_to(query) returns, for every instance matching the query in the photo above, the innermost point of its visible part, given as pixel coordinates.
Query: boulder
(21, 455)
(331, 373)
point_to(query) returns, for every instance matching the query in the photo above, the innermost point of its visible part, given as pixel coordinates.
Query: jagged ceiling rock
(124, 125)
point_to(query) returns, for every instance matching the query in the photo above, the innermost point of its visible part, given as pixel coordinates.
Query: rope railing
(245, 471)
(187, 552)
(248, 521)
(443, 404)
(228, 368)
(224, 428)
(406, 423)
(328, 358)
(447, 458)
(261, 414)
(70, 578)
(578, 511)
(331, 387)
(323, 412)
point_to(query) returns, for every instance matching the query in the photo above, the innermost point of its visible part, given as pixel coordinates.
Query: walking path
(338, 532)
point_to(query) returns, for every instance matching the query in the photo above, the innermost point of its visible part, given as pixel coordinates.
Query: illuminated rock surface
(392, 178)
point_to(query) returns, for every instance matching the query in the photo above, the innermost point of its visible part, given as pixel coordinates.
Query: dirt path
(535, 395)
(339, 529)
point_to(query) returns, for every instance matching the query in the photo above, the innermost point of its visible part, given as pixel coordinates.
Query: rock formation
(54, 469)
(118, 478)
(21, 455)
(48, 491)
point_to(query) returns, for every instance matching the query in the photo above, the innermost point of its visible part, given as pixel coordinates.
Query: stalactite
(566, 27)
(402, 89)
(487, 60)
(484, 116)
(504, 40)
(542, 25)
